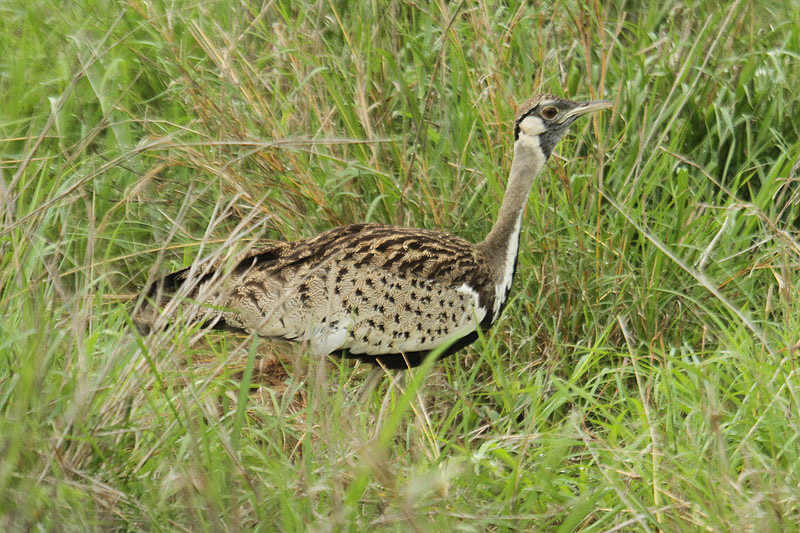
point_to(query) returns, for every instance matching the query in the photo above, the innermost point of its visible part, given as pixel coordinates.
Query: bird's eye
(550, 112)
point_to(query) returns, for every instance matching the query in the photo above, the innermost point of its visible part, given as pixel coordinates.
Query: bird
(384, 294)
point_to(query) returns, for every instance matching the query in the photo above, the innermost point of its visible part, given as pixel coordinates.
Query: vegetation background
(643, 377)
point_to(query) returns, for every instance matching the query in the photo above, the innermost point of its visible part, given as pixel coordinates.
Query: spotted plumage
(383, 294)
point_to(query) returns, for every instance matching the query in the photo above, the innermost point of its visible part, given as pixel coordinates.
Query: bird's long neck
(501, 245)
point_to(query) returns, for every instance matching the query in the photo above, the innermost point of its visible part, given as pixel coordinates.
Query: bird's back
(373, 291)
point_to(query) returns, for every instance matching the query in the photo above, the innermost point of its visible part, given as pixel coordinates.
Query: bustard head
(542, 120)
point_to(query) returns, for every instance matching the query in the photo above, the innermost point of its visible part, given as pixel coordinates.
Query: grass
(642, 378)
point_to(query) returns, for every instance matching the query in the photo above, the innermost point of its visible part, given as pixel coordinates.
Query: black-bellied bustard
(381, 293)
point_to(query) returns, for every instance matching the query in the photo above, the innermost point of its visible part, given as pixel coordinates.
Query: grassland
(643, 377)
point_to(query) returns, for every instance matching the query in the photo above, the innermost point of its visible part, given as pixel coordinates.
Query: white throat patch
(529, 130)
(532, 126)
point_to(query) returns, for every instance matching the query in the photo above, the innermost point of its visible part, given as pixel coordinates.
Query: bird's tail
(157, 300)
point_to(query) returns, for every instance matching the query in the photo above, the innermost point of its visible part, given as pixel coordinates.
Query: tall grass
(643, 377)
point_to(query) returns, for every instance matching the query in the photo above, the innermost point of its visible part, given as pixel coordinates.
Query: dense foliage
(643, 376)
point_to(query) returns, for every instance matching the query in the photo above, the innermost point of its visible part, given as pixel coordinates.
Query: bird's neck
(501, 244)
(528, 161)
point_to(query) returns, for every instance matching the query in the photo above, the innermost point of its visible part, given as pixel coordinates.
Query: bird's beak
(586, 107)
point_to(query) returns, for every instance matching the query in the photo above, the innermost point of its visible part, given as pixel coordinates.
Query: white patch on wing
(480, 312)
(327, 340)
(477, 313)
(502, 288)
